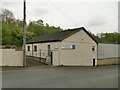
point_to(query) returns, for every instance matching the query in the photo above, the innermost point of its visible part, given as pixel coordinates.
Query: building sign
(73, 46)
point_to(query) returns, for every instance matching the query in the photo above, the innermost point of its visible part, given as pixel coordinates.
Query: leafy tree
(40, 22)
(7, 16)
(11, 29)
(36, 28)
(108, 37)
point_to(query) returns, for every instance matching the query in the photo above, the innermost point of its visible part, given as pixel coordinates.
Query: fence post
(40, 58)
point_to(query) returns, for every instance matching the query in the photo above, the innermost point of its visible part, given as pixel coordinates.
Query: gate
(42, 57)
(46, 56)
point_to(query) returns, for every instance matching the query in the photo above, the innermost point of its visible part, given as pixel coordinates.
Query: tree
(47, 25)
(40, 22)
(11, 28)
(35, 28)
(108, 37)
(7, 16)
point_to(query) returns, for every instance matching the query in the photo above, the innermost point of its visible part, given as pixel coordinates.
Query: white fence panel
(108, 50)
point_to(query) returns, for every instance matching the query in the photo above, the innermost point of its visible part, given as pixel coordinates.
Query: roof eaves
(42, 41)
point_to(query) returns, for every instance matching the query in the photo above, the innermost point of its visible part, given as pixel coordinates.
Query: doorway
(93, 61)
(49, 50)
(50, 54)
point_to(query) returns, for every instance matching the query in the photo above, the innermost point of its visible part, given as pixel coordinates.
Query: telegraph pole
(24, 33)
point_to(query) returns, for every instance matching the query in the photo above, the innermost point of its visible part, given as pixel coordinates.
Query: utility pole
(24, 33)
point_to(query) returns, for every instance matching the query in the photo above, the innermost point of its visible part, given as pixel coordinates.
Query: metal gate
(46, 56)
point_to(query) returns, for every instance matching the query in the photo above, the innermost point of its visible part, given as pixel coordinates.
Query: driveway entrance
(31, 61)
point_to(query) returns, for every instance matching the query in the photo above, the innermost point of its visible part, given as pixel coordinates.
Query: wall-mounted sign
(73, 46)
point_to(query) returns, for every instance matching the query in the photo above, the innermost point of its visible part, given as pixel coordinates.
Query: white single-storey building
(73, 47)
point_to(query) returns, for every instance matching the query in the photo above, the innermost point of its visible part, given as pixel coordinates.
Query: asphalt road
(61, 77)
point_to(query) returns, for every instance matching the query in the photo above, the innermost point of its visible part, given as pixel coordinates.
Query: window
(28, 48)
(93, 48)
(35, 48)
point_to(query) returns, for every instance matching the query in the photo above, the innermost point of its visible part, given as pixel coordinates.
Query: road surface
(61, 77)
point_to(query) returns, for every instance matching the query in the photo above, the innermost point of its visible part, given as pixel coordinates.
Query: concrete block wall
(108, 61)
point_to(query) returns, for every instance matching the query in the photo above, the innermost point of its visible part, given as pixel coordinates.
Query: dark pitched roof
(58, 36)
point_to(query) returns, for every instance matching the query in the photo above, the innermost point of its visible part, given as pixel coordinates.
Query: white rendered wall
(10, 57)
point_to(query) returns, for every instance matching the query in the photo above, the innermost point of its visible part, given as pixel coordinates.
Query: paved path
(62, 77)
(32, 62)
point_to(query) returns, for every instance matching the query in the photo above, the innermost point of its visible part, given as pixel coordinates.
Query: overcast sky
(95, 15)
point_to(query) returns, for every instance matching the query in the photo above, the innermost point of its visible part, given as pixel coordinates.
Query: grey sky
(96, 15)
